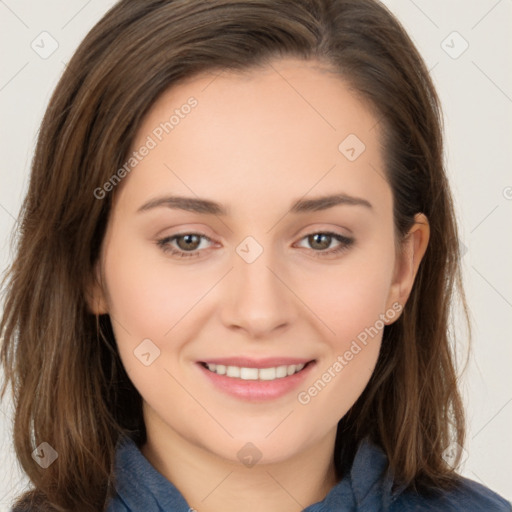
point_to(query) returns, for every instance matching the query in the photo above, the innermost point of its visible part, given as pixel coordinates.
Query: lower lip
(257, 390)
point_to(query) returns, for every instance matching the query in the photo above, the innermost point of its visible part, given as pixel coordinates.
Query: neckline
(142, 487)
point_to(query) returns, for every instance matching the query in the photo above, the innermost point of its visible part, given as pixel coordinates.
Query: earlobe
(95, 295)
(413, 248)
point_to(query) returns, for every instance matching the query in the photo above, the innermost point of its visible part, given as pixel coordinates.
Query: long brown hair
(69, 386)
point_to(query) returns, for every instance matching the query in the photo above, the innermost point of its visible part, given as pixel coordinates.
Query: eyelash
(163, 243)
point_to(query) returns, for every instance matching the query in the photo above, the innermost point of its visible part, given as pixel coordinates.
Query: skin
(255, 144)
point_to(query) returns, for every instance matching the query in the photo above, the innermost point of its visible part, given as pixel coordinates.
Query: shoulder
(467, 495)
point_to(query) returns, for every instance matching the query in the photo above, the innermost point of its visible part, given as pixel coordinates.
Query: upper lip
(246, 362)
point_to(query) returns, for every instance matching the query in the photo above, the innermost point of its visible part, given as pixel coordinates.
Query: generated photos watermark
(305, 397)
(151, 142)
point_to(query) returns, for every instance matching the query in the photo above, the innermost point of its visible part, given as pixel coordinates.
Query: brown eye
(320, 241)
(188, 242)
(184, 245)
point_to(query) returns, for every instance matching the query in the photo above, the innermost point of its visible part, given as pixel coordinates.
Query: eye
(187, 244)
(322, 240)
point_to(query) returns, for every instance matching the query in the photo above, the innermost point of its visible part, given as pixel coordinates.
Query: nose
(257, 298)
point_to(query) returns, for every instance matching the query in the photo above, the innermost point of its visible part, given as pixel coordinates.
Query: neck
(210, 483)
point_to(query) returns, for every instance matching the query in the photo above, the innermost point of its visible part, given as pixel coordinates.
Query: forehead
(288, 128)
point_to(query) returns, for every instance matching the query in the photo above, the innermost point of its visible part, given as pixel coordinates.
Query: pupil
(188, 241)
(316, 240)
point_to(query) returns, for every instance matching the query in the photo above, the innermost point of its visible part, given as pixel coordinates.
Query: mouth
(256, 381)
(266, 373)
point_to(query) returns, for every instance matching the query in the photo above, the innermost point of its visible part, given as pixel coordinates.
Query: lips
(256, 379)
(245, 362)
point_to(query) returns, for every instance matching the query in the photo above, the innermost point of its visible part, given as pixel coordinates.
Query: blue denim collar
(367, 487)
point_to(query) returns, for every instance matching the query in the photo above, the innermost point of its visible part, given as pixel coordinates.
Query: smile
(267, 374)
(256, 381)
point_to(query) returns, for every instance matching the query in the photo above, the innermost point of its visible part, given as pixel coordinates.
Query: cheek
(350, 296)
(148, 297)
(354, 313)
(350, 300)
(148, 294)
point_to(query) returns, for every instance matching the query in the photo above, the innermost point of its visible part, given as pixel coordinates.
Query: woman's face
(255, 230)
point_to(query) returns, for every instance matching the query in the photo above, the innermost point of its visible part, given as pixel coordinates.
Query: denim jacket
(367, 488)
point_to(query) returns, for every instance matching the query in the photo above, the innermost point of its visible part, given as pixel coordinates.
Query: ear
(95, 294)
(408, 261)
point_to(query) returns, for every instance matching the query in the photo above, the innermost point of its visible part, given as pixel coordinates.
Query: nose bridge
(258, 299)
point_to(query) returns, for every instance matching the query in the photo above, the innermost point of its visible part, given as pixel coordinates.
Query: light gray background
(476, 92)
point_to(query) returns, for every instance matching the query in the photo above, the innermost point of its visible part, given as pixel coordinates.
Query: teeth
(249, 373)
(282, 371)
(233, 371)
(267, 374)
(277, 372)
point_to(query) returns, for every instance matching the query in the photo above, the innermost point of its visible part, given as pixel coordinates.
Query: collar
(367, 487)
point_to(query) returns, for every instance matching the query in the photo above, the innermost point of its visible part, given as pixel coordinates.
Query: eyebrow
(208, 207)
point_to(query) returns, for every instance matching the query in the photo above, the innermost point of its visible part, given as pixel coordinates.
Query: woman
(237, 258)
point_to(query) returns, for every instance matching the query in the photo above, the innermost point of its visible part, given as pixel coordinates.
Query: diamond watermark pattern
(462, 248)
(452, 453)
(147, 352)
(454, 45)
(249, 249)
(44, 45)
(44, 455)
(352, 147)
(249, 455)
